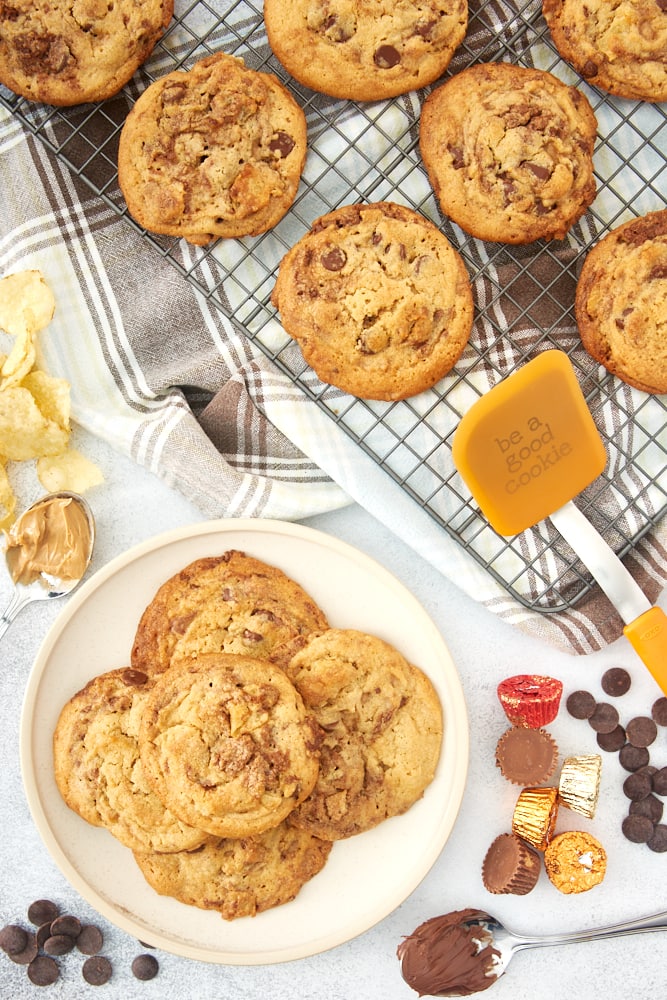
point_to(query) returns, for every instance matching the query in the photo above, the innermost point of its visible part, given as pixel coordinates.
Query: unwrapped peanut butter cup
(579, 785)
(575, 861)
(526, 756)
(510, 866)
(535, 815)
(530, 699)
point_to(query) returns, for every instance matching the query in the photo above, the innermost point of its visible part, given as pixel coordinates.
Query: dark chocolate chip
(134, 678)
(615, 681)
(42, 933)
(581, 704)
(42, 911)
(650, 806)
(659, 781)
(96, 970)
(43, 971)
(638, 785)
(90, 940)
(386, 56)
(658, 840)
(638, 829)
(613, 741)
(67, 924)
(641, 731)
(145, 967)
(333, 259)
(659, 711)
(26, 955)
(604, 718)
(13, 939)
(633, 758)
(282, 144)
(58, 944)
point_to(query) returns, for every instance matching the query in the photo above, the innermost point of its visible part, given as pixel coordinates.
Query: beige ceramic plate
(366, 877)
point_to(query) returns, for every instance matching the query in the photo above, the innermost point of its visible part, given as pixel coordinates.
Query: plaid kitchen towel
(158, 370)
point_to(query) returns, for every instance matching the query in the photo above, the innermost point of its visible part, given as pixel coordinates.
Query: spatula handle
(648, 636)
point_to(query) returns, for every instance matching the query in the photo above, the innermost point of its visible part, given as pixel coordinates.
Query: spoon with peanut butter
(48, 550)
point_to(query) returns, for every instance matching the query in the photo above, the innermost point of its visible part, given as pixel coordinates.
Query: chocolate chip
(589, 68)
(650, 806)
(67, 924)
(333, 259)
(638, 829)
(659, 781)
(42, 933)
(658, 840)
(90, 940)
(42, 911)
(145, 967)
(134, 678)
(58, 944)
(282, 144)
(659, 711)
(638, 785)
(96, 970)
(615, 681)
(386, 56)
(26, 955)
(641, 731)
(604, 718)
(633, 758)
(43, 971)
(537, 170)
(581, 704)
(13, 939)
(613, 741)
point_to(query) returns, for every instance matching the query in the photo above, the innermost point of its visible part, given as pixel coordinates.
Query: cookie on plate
(383, 728)
(239, 877)
(71, 53)
(618, 47)
(98, 770)
(378, 300)
(508, 151)
(365, 52)
(232, 603)
(621, 302)
(227, 744)
(216, 151)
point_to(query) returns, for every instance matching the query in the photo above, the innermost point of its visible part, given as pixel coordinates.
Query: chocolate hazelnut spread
(445, 957)
(52, 537)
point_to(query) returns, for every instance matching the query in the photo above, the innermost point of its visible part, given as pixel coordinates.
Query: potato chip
(52, 396)
(26, 303)
(69, 471)
(19, 361)
(7, 500)
(25, 432)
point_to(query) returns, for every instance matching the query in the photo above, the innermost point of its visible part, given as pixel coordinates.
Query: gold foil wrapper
(535, 816)
(579, 784)
(575, 862)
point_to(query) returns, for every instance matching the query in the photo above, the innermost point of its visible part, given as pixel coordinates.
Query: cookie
(216, 151)
(71, 53)
(231, 603)
(227, 744)
(621, 302)
(98, 770)
(383, 728)
(378, 300)
(619, 47)
(508, 151)
(239, 877)
(365, 52)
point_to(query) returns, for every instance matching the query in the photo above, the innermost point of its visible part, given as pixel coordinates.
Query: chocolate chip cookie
(239, 877)
(383, 728)
(618, 47)
(71, 53)
(98, 770)
(232, 603)
(227, 745)
(378, 300)
(621, 302)
(508, 151)
(216, 151)
(369, 51)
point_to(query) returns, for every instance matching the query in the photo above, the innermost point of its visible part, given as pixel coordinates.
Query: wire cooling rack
(523, 295)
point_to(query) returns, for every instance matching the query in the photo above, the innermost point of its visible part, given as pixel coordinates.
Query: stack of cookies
(245, 737)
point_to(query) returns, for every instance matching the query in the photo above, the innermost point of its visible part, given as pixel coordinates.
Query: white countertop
(132, 506)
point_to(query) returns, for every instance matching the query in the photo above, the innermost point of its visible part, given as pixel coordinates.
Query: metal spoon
(47, 587)
(499, 944)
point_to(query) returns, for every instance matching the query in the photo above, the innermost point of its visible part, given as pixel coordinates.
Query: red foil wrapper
(530, 699)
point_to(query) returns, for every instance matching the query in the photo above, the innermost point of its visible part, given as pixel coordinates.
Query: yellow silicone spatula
(525, 449)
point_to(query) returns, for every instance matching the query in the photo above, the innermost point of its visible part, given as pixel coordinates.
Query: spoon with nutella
(48, 550)
(466, 951)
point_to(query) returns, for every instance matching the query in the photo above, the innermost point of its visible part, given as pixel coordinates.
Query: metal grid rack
(523, 295)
